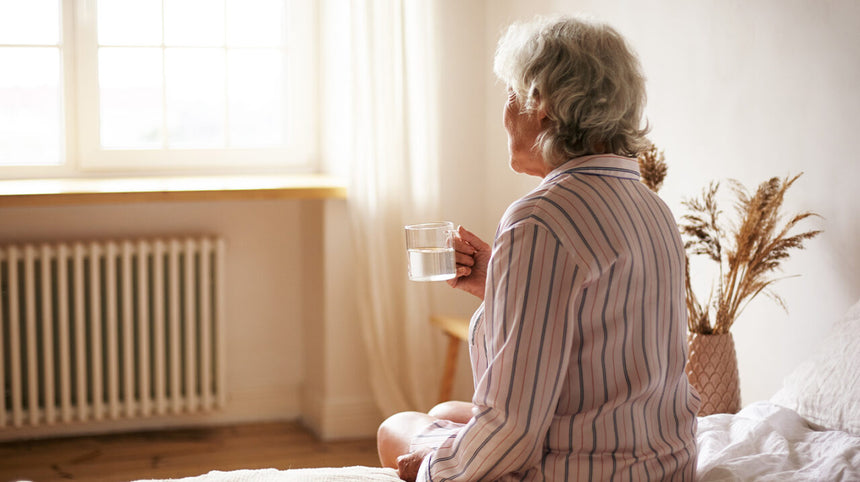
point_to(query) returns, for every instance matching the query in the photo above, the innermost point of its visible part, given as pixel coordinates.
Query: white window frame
(84, 157)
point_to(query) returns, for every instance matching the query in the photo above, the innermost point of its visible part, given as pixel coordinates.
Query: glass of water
(431, 253)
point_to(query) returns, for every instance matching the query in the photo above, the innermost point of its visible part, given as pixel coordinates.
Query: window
(31, 111)
(156, 85)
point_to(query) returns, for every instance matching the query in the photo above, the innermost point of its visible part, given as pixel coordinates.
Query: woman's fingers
(477, 243)
(462, 272)
(464, 259)
(461, 246)
(463, 251)
(471, 255)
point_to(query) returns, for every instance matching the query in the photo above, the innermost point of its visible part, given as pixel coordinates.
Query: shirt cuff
(424, 469)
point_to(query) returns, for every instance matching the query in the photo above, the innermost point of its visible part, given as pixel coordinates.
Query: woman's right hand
(472, 256)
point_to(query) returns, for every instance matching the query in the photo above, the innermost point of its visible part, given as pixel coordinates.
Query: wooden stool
(457, 329)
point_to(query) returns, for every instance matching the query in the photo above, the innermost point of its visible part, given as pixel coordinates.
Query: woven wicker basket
(713, 371)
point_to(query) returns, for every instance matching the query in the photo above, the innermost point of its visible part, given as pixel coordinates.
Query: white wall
(737, 89)
(744, 90)
(292, 349)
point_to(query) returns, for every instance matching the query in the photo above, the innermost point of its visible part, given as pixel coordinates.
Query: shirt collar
(610, 165)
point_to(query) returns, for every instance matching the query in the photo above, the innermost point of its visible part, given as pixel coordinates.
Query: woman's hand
(408, 464)
(472, 256)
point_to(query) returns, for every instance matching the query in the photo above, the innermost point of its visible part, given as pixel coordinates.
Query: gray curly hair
(585, 77)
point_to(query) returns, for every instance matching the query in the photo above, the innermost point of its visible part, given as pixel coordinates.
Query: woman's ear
(540, 112)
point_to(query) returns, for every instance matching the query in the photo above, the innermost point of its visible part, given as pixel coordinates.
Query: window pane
(121, 22)
(257, 101)
(258, 23)
(130, 91)
(30, 22)
(194, 22)
(30, 107)
(195, 97)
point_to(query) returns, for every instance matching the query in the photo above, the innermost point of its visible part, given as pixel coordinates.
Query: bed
(809, 430)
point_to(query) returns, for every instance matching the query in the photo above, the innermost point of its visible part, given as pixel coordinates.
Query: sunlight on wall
(747, 91)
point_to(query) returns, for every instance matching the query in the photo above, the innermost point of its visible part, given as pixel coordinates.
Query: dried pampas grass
(748, 253)
(652, 167)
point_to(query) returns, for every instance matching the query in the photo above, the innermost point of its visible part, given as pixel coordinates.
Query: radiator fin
(110, 330)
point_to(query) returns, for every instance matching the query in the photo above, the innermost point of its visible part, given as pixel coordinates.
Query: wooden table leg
(457, 330)
(450, 368)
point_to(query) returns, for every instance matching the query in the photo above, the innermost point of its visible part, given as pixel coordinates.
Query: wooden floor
(179, 453)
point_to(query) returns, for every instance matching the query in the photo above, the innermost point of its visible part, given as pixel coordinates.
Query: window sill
(61, 192)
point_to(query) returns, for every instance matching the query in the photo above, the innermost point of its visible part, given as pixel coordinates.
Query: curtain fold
(394, 181)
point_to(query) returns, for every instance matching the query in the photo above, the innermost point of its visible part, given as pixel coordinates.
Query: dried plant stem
(652, 167)
(747, 254)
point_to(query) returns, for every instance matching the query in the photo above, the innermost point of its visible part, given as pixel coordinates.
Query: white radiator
(107, 330)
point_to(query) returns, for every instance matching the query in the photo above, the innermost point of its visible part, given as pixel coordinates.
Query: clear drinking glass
(430, 250)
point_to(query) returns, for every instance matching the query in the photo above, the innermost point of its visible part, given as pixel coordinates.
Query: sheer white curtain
(394, 180)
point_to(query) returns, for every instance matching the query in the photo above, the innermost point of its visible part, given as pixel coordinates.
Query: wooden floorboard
(178, 453)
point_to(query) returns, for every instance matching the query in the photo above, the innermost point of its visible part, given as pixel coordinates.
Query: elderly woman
(578, 349)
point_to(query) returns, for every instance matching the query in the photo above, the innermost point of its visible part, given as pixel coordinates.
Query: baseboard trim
(340, 418)
(253, 405)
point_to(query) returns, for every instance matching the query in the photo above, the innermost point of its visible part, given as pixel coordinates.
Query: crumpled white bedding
(765, 441)
(762, 442)
(328, 474)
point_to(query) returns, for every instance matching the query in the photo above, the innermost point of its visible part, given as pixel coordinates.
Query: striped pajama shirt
(578, 350)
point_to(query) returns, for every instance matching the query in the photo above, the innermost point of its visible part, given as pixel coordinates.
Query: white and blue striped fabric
(578, 351)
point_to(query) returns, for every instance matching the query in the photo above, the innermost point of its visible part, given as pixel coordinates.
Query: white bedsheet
(329, 474)
(765, 441)
(762, 442)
